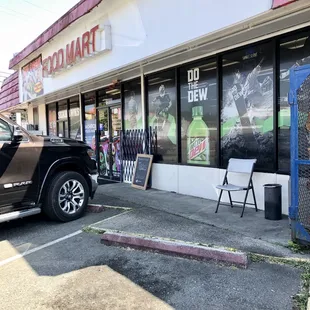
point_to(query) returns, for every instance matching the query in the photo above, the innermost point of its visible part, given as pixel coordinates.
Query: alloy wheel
(71, 196)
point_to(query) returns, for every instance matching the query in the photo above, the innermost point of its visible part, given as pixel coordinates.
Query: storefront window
(90, 119)
(247, 111)
(199, 113)
(133, 105)
(36, 116)
(109, 96)
(294, 51)
(74, 115)
(52, 120)
(63, 129)
(162, 114)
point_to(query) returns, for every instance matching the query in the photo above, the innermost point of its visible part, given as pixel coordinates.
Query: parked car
(39, 173)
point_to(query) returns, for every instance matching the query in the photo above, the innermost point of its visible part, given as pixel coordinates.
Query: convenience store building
(211, 77)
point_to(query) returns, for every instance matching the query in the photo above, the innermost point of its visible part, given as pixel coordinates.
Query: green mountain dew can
(198, 146)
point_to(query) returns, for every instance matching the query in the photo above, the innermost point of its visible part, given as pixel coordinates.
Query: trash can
(273, 202)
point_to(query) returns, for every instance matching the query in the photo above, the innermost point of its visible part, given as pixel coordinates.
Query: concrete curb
(175, 247)
(97, 208)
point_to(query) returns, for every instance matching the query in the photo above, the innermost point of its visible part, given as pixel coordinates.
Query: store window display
(247, 108)
(90, 119)
(52, 119)
(162, 114)
(199, 113)
(74, 118)
(133, 105)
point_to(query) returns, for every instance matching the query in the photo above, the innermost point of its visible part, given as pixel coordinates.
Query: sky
(21, 21)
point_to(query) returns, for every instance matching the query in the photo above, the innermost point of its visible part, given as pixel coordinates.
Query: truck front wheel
(67, 197)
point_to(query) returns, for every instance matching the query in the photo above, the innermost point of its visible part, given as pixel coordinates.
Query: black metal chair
(242, 166)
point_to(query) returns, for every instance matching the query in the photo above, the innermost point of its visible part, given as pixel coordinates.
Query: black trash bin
(273, 202)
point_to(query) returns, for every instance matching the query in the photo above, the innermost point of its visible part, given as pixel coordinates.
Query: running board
(18, 214)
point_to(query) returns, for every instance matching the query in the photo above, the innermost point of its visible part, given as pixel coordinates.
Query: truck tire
(67, 197)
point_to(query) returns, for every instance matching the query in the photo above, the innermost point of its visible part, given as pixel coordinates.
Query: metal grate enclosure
(299, 98)
(303, 99)
(135, 142)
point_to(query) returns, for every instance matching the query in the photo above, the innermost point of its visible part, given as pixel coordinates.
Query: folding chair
(242, 166)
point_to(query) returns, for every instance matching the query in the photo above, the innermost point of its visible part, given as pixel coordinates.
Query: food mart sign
(278, 3)
(92, 42)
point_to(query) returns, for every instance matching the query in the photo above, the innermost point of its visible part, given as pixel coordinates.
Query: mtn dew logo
(198, 149)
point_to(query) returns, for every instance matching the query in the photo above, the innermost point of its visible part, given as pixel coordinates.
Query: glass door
(108, 149)
(63, 129)
(116, 127)
(103, 141)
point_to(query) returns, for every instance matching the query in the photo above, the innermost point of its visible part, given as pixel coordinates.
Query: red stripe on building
(79, 10)
(279, 3)
(9, 93)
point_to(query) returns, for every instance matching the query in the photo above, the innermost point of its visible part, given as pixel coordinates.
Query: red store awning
(279, 3)
(9, 92)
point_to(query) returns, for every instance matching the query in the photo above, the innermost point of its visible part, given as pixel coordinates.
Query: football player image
(133, 110)
(163, 104)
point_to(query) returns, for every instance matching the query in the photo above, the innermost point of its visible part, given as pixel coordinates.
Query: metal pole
(81, 117)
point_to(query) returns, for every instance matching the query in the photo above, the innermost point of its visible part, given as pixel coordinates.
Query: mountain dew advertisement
(162, 114)
(199, 113)
(247, 113)
(198, 143)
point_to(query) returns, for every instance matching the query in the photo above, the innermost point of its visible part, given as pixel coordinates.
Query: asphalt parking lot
(47, 265)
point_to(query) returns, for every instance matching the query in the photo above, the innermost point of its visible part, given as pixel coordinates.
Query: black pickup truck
(48, 174)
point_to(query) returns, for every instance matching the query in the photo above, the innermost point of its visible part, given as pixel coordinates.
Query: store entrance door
(109, 120)
(63, 129)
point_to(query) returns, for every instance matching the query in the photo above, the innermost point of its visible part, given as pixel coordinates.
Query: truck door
(17, 170)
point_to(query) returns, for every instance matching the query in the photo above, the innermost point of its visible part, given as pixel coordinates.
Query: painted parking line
(110, 218)
(28, 252)
(48, 244)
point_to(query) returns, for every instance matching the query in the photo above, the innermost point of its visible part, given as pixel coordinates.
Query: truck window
(5, 131)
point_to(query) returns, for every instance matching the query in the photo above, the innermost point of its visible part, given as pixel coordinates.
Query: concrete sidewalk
(170, 215)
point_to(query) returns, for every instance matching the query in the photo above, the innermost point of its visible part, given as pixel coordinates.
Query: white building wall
(30, 114)
(202, 182)
(19, 119)
(165, 177)
(142, 28)
(195, 181)
(42, 119)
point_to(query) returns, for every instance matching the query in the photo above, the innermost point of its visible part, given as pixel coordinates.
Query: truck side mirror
(17, 135)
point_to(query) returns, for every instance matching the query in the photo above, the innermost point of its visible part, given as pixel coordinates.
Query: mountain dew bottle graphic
(198, 148)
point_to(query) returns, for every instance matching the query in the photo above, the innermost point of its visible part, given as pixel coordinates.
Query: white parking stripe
(28, 252)
(110, 218)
